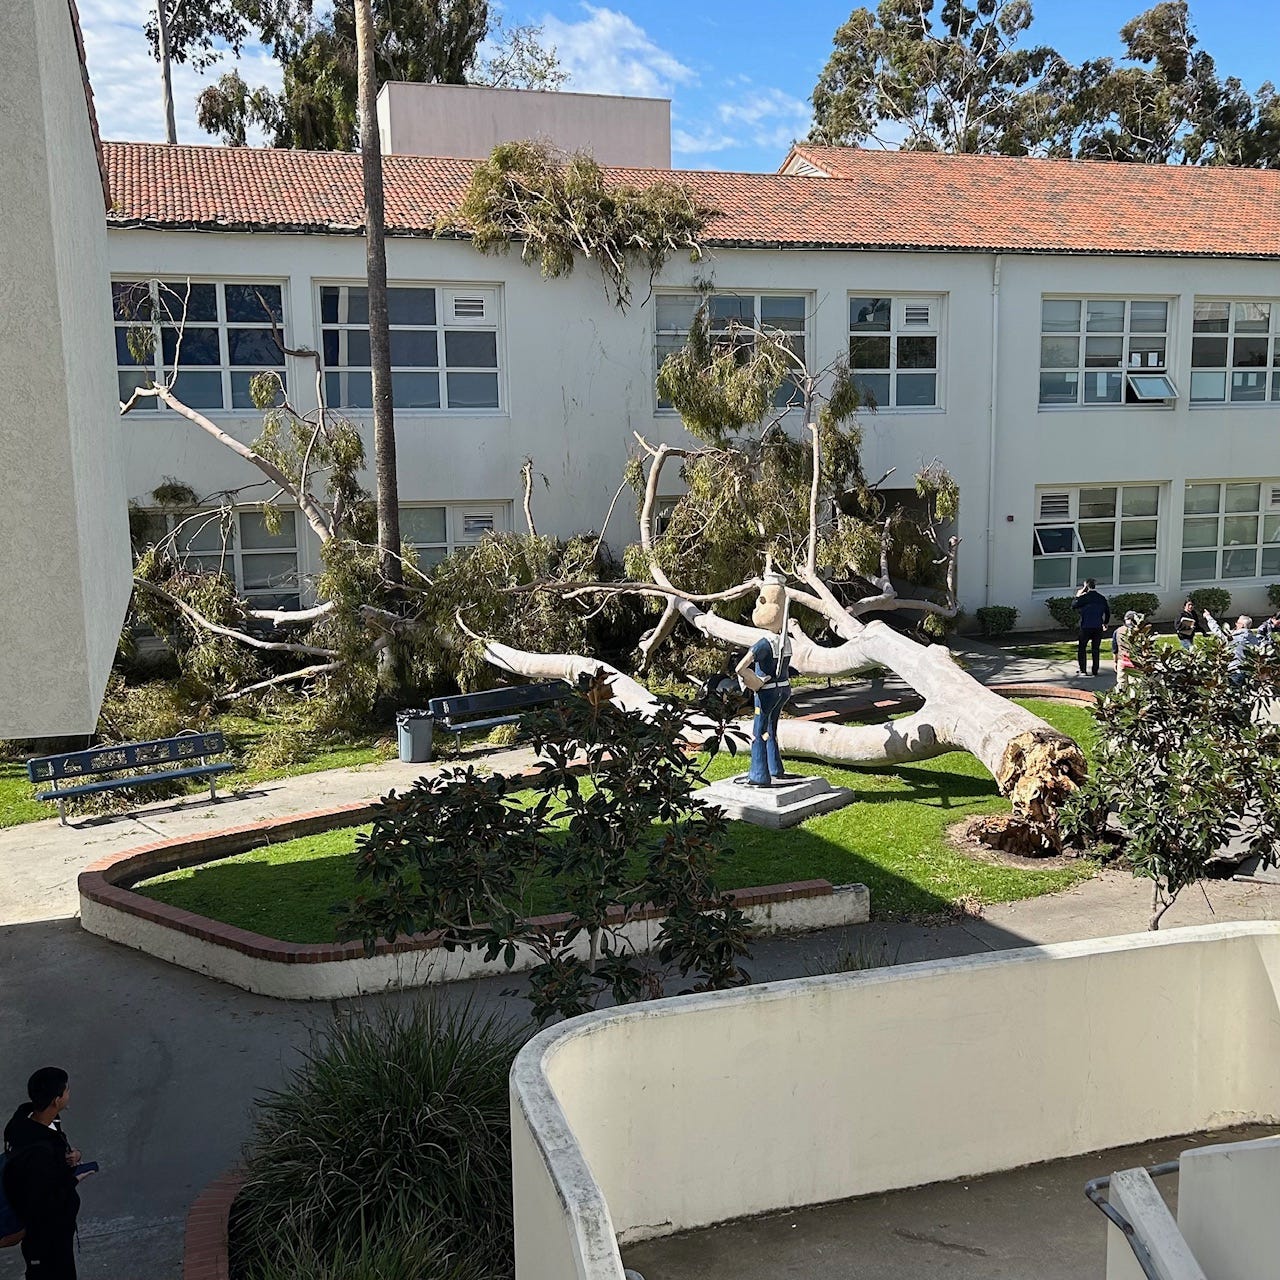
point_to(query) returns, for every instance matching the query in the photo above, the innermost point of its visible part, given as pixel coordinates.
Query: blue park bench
(462, 711)
(127, 764)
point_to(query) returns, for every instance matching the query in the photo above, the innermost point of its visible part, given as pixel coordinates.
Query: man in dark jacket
(1095, 614)
(40, 1178)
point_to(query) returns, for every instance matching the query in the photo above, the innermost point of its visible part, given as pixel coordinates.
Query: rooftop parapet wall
(644, 1121)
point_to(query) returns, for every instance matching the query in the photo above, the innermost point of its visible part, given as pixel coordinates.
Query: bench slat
(125, 756)
(141, 780)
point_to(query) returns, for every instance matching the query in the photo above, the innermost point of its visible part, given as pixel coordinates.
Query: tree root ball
(1039, 771)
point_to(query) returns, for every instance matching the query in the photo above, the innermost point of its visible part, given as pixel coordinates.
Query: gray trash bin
(414, 731)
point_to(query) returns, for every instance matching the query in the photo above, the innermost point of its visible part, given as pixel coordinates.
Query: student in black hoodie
(40, 1178)
(1095, 614)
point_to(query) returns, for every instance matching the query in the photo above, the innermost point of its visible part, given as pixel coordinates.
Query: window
(893, 350)
(768, 312)
(444, 347)
(1234, 351)
(1230, 530)
(435, 531)
(213, 338)
(262, 564)
(1107, 532)
(1104, 351)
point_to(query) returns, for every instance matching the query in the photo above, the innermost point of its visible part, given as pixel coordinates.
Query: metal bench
(189, 752)
(462, 711)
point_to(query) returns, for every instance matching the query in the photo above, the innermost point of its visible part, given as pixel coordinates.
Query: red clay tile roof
(872, 200)
(78, 36)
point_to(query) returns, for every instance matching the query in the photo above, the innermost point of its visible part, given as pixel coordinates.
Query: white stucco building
(1093, 350)
(64, 542)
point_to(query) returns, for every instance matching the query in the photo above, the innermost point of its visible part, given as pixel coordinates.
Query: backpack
(11, 1228)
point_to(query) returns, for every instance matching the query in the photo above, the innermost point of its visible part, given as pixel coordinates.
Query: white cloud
(754, 116)
(126, 79)
(606, 52)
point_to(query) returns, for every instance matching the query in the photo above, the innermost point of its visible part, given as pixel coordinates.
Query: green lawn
(1065, 650)
(892, 839)
(18, 805)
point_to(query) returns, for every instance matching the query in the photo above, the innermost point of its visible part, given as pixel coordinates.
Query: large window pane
(255, 533)
(1238, 530)
(411, 306)
(1103, 388)
(1059, 388)
(1055, 539)
(1097, 503)
(869, 353)
(917, 353)
(1059, 353)
(1271, 562)
(1208, 387)
(676, 311)
(473, 390)
(1098, 535)
(468, 349)
(130, 380)
(344, 304)
(1249, 353)
(199, 390)
(423, 524)
(415, 390)
(1103, 353)
(919, 389)
(269, 569)
(1211, 317)
(1100, 568)
(193, 302)
(242, 388)
(1104, 316)
(198, 346)
(1200, 499)
(1051, 573)
(1240, 562)
(415, 348)
(346, 347)
(1252, 317)
(1208, 353)
(253, 346)
(1243, 497)
(349, 390)
(870, 313)
(727, 309)
(1200, 532)
(131, 300)
(1148, 317)
(123, 354)
(1060, 315)
(1199, 566)
(1137, 569)
(254, 304)
(873, 388)
(783, 313)
(1141, 500)
(1137, 534)
(1247, 387)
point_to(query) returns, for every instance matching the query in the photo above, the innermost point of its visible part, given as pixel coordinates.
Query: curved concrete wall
(664, 1117)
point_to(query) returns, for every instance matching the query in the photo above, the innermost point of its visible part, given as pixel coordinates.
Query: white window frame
(167, 306)
(1267, 514)
(784, 398)
(1269, 370)
(447, 295)
(1149, 366)
(457, 535)
(232, 553)
(901, 327)
(1081, 555)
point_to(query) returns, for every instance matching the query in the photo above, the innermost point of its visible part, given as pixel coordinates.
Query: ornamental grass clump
(387, 1153)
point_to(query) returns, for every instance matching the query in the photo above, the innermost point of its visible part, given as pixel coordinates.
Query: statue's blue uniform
(766, 760)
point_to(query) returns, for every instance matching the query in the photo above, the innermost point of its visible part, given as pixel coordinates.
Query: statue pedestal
(784, 804)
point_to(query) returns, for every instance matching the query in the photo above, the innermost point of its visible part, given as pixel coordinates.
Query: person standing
(40, 1177)
(1240, 638)
(1120, 646)
(1187, 625)
(1095, 614)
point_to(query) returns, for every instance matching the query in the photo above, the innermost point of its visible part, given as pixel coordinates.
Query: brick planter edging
(205, 1251)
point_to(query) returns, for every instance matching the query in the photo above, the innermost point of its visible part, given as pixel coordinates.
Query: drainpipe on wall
(991, 424)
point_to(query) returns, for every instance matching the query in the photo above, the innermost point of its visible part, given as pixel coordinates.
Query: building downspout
(991, 424)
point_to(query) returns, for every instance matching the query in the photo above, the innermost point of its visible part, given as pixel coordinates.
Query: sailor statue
(766, 670)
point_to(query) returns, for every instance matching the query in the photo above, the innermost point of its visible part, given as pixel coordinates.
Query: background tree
(1184, 761)
(955, 82)
(430, 41)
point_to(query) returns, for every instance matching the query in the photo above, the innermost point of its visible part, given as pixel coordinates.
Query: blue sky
(739, 74)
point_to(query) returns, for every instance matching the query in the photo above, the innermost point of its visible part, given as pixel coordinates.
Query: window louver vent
(468, 308)
(1055, 506)
(916, 313)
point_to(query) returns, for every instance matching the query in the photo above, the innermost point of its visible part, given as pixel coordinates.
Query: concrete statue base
(788, 802)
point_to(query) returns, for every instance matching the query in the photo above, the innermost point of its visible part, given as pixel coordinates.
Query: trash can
(414, 732)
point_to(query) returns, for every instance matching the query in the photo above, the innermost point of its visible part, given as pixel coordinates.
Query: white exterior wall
(577, 380)
(63, 531)
(652, 1119)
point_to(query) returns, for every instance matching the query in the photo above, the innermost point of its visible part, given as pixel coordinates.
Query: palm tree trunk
(384, 431)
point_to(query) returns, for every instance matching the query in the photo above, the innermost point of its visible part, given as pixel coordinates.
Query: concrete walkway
(166, 1064)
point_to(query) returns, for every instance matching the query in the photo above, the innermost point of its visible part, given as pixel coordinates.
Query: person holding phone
(1095, 614)
(41, 1172)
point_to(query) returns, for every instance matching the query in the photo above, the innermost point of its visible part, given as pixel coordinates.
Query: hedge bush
(1143, 602)
(1216, 599)
(394, 1132)
(996, 619)
(1063, 614)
